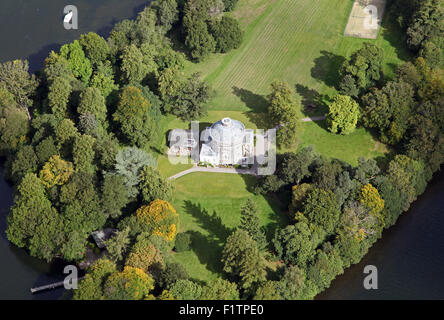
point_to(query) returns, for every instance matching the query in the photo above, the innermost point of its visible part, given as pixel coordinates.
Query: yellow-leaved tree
(56, 171)
(159, 218)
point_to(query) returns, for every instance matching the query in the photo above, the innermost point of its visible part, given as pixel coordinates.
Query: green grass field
(209, 208)
(301, 42)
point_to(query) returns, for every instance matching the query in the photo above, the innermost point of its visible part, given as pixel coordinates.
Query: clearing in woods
(303, 43)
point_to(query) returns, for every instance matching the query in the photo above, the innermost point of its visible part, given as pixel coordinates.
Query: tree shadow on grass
(313, 103)
(256, 102)
(326, 68)
(210, 222)
(208, 250)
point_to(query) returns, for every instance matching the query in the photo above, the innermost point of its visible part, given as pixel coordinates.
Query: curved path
(196, 168)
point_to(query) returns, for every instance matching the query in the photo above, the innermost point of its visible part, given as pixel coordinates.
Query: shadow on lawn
(208, 248)
(326, 68)
(313, 102)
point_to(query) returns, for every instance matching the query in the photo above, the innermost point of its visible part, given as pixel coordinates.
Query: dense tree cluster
(207, 30)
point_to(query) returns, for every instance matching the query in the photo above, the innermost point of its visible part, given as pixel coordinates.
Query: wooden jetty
(49, 286)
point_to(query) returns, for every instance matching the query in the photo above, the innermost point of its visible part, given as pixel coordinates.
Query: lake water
(409, 257)
(29, 30)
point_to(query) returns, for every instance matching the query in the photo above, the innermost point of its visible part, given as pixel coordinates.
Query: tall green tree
(362, 70)
(251, 224)
(133, 117)
(343, 115)
(33, 222)
(95, 47)
(242, 259)
(15, 78)
(284, 111)
(153, 186)
(78, 63)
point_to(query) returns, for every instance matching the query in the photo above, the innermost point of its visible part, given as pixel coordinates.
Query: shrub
(183, 241)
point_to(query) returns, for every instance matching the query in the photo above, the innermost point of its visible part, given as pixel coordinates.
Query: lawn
(301, 42)
(209, 208)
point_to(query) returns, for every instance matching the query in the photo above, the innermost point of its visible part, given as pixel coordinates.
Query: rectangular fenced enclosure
(365, 19)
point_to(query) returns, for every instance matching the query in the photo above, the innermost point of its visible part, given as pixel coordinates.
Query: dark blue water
(409, 257)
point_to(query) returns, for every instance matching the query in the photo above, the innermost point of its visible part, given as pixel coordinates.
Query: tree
(251, 224)
(91, 287)
(322, 209)
(327, 265)
(292, 284)
(395, 200)
(295, 167)
(58, 97)
(105, 83)
(144, 255)
(227, 34)
(388, 110)
(133, 117)
(33, 223)
(366, 170)
(83, 153)
(362, 70)
(129, 163)
(106, 148)
(343, 115)
(298, 197)
(15, 78)
(117, 245)
(198, 40)
(432, 54)
(78, 63)
(425, 142)
(167, 13)
(182, 243)
(133, 68)
(25, 161)
(153, 186)
(114, 195)
(45, 149)
(267, 291)
(130, 284)
(186, 290)
(172, 273)
(220, 289)
(65, 132)
(95, 47)
(283, 110)
(92, 102)
(295, 244)
(230, 4)
(241, 258)
(159, 218)
(56, 172)
(426, 22)
(190, 99)
(82, 213)
(409, 176)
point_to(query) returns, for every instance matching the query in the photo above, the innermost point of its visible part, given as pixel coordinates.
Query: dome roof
(227, 131)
